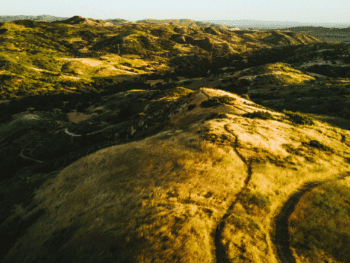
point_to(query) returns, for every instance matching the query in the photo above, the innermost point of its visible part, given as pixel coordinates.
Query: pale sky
(326, 11)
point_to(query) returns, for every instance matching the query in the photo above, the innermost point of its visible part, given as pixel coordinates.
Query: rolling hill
(145, 142)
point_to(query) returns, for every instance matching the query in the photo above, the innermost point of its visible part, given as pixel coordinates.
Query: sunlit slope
(275, 74)
(162, 198)
(74, 54)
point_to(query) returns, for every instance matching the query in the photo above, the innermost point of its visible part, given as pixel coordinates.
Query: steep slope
(163, 197)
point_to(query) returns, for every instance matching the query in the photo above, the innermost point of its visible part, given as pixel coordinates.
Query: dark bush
(298, 118)
(245, 82)
(125, 113)
(265, 115)
(317, 144)
(215, 101)
(191, 107)
(336, 106)
(220, 115)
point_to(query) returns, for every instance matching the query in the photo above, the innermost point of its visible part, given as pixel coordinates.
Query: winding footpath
(280, 237)
(220, 252)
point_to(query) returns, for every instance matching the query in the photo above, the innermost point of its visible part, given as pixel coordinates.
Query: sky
(307, 11)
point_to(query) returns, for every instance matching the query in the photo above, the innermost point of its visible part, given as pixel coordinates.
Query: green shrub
(244, 223)
(245, 96)
(265, 115)
(11, 64)
(219, 115)
(250, 199)
(316, 144)
(298, 118)
(215, 101)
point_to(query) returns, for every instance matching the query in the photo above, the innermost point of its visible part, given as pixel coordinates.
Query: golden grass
(320, 226)
(161, 199)
(166, 200)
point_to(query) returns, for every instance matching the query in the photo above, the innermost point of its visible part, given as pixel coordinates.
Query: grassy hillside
(78, 53)
(162, 198)
(164, 143)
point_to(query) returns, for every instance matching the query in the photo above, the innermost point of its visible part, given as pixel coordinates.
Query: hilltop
(79, 20)
(146, 142)
(187, 22)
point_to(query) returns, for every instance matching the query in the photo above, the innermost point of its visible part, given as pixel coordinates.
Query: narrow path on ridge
(220, 252)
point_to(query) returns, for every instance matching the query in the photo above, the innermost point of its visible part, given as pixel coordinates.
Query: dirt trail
(221, 256)
(25, 157)
(280, 237)
(281, 234)
(220, 252)
(130, 72)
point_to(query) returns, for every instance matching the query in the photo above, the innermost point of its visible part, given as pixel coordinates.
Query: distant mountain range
(248, 23)
(47, 18)
(241, 24)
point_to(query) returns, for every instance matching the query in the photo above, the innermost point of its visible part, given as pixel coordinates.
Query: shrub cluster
(215, 101)
(220, 115)
(191, 107)
(250, 199)
(298, 118)
(317, 144)
(265, 115)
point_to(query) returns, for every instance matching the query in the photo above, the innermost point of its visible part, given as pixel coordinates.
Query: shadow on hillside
(338, 122)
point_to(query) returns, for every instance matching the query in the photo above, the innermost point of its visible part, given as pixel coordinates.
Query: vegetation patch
(290, 149)
(319, 227)
(179, 91)
(245, 96)
(265, 115)
(216, 101)
(191, 107)
(219, 115)
(299, 118)
(254, 202)
(243, 222)
(317, 144)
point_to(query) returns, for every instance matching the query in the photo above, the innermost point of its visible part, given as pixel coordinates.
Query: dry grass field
(162, 198)
(154, 143)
